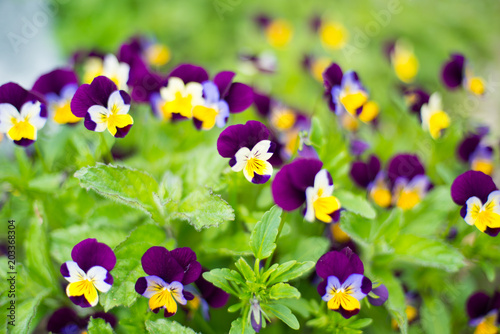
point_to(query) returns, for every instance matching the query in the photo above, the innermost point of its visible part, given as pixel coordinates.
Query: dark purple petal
(347, 314)
(54, 82)
(453, 71)
(24, 142)
(416, 98)
(108, 317)
(97, 93)
(122, 132)
(256, 326)
(188, 295)
(89, 253)
(315, 22)
(405, 166)
(239, 97)
(363, 173)
(468, 146)
(262, 103)
(16, 95)
(89, 123)
(290, 183)
(472, 183)
(214, 296)
(388, 49)
(332, 76)
(223, 81)
(186, 259)
(339, 264)
(263, 20)
(358, 147)
(322, 287)
(382, 293)
(492, 232)
(80, 301)
(109, 278)
(141, 285)
(237, 136)
(189, 73)
(129, 51)
(64, 270)
(159, 262)
(63, 317)
(143, 81)
(167, 314)
(260, 179)
(366, 285)
(478, 305)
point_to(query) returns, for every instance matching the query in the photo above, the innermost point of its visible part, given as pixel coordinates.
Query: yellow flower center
(279, 33)
(405, 65)
(180, 105)
(482, 165)
(206, 115)
(353, 101)
(22, 129)
(333, 35)
(369, 112)
(93, 68)
(476, 85)
(157, 54)
(325, 206)
(487, 326)
(408, 199)
(62, 113)
(163, 298)
(84, 287)
(283, 119)
(318, 67)
(255, 165)
(381, 196)
(437, 123)
(484, 216)
(342, 298)
(115, 120)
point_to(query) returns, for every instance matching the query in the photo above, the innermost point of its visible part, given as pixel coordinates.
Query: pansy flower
(415, 98)
(473, 151)
(222, 96)
(169, 272)
(434, 119)
(89, 272)
(264, 62)
(249, 149)
(22, 114)
(403, 60)
(456, 72)
(480, 200)
(108, 66)
(333, 35)
(67, 321)
(303, 181)
(344, 284)
(58, 87)
(152, 52)
(483, 312)
(315, 66)
(103, 106)
(278, 32)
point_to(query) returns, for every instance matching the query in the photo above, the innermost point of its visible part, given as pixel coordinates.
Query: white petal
(115, 99)
(495, 198)
(110, 64)
(309, 214)
(195, 89)
(322, 181)
(435, 102)
(122, 75)
(174, 85)
(75, 273)
(425, 112)
(471, 202)
(155, 284)
(241, 159)
(333, 283)
(31, 111)
(260, 150)
(7, 112)
(176, 290)
(97, 275)
(354, 281)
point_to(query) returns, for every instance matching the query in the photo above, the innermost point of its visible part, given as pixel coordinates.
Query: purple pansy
(103, 106)
(358, 147)
(22, 114)
(483, 312)
(303, 181)
(344, 284)
(480, 200)
(67, 321)
(473, 151)
(169, 272)
(249, 148)
(379, 295)
(332, 77)
(88, 272)
(58, 87)
(456, 72)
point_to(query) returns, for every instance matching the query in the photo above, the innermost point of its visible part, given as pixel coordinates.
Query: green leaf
(360, 323)
(203, 209)
(283, 290)
(25, 314)
(316, 136)
(357, 227)
(239, 326)
(427, 252)
(390, 227)
(265, 232)
(395, 304)
(245, 270)
(99, 326)
(289, 270)
(128, 186)
(356, 204)
(128, 266)
(435, 317)
(309, 249)
(284, 314)
(221, 277)
(162, 326)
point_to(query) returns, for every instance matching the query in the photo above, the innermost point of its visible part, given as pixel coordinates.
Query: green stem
(106, 150)
(256, 267)
(41, 157)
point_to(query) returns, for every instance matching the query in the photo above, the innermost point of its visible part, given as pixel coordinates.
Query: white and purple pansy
(344, 284)
(108, 66)
(169, 272)
(89, 272)
(249, 149)
(58, 87)
(484, 312)
(303, 181)
(480, 200)
(103, 106)
(22, 114)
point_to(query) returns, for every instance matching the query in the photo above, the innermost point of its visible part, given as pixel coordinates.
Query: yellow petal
(206, 116)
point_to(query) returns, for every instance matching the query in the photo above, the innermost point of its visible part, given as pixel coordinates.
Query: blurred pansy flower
(103, 106)
(22, 114)
(89, 272)
(206, 295)
(456, 72)
(415, 98)
(264, 62)
(403, 60)
(480, 200)
(369, 175)
(434, 119)
(58, 87)
(303, 181)
(333, 35)
(169, 272)
(357, 147)
(152, 52)
(483, 312)
(278, 32)
(110, 67)
(249, 149)
(67, 321)
(316, 66)
(221, 97)
(344, 284)
(472, 150)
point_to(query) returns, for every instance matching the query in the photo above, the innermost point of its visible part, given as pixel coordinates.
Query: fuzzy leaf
(99, 326)
(265, 232)
(355, 203)
(283, 290)
(284, 314)
(239, 326)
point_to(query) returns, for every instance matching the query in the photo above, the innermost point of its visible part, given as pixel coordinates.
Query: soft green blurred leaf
(240, 326)
(25, 313)
(289, 270)
(220, 278)
(162, 326)
(316, 134)
(265, 232)
(99, 326)
(435, 316)
(355, 203)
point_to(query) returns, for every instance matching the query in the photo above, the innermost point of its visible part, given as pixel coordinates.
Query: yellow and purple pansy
(249, 148)
(434, 119)
(483, 312)
(344, 283)
(480, 200)
(169, 272)
(67, 321)
(147, 49)
(303, 181)
(58, 87)
(415, 98)
(89, 272)
(278, 32)
(473, 151)
(315, 66)
(368, 175)
(22, 114)
(103, 106)
(456, 72)
(403, 60)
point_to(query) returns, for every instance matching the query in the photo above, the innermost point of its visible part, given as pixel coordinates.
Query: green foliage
(163, 326)
(265, 232)
(98, 326)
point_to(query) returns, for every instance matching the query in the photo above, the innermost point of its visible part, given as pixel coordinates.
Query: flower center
(83, 287)
(255, 165)
(408, 199)
(352, 101)
(22, 129)
(485, 216)
(165, 299)
(279, 33)
(206, 115)
(487, 326)
(405, 65)
(342, 298)
(325, 206)
(482, 165)
(476, 85)
(180, 105)
(333, 35)
(381, 196)
(283, 119)
(115, 120)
